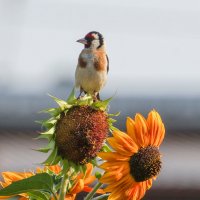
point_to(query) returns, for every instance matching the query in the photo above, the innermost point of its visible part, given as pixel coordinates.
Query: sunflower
(130, 170)
(81, 181)
(76, 130)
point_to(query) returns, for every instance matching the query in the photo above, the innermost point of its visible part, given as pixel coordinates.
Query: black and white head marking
(94, 40)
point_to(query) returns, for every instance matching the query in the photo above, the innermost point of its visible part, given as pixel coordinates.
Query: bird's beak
(83, 41)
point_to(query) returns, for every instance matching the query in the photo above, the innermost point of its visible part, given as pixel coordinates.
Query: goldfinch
(93, 65)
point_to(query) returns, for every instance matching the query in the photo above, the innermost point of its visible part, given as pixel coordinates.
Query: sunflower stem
(63, 188)
(64, 184)
(102, 197)
(91, 194)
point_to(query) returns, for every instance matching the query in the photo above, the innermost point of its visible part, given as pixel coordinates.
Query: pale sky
(153, 46)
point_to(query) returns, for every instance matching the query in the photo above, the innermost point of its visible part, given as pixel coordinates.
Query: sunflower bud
(80, 133)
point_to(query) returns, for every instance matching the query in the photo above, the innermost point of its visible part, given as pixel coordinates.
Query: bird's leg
(98, 96)
(81, 91)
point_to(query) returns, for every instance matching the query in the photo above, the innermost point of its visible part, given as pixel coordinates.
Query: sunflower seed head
(145, 164)
(80, 133)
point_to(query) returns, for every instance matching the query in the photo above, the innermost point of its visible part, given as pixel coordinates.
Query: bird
(93, 65)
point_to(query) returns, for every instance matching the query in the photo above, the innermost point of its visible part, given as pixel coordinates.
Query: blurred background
(153, 48)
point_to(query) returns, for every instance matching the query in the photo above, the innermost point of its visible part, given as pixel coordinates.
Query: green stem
(54, 195)
(91, 194)
(101, 197)
(63, 188)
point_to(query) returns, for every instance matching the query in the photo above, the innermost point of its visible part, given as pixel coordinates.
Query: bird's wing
(107, 63)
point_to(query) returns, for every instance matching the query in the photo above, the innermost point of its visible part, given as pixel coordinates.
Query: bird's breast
(85, 60)
(97, 60)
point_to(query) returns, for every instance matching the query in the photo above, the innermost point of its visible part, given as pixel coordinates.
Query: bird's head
(93, 40)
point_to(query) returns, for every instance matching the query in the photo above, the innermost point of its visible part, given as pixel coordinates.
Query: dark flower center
(145, 164)
(80, 133)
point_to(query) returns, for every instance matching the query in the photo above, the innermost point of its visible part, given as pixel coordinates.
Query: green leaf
(66, 166)
(102, 105)
(62, 104)
(85, 100)
(114, 114)
(47, 148)
(52, 111)
(73, 167)
(111, 120)
(105, 148)
(39, 121)
(94, 162)
(112, 128)
(45, 136)
(51, 158)
(56, 160)
(49, 132)
(39, 195)
(48, 124)
(72, 96)
(39, 182)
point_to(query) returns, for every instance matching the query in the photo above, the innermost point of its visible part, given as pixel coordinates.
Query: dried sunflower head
(80, 133)
(77, 129)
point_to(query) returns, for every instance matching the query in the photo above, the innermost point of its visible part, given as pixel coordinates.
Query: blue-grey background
(153, 48)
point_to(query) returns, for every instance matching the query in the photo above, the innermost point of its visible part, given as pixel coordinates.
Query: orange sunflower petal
(156, 128)
(142, 190)
(120, 148)
(5, 184)
(23, 198)
(130, 128)
(117, 194)
(122, 191)
(110, 166)
(149, 183)
(70, 196)
(89, 180)
(5, 197)
(126, 180)
(78, 187)
(89, 189)
(55, 168)
(15, 176)
(109, 177)
(141, 130)
(113, 156)
(89, 169)
(125, 140)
